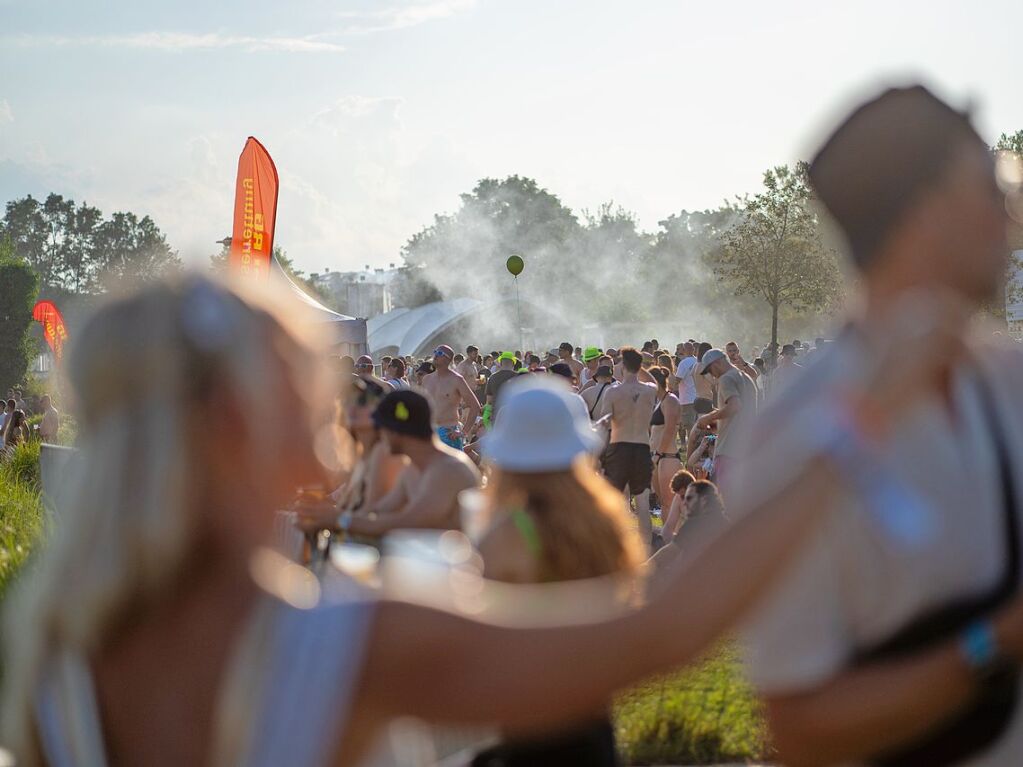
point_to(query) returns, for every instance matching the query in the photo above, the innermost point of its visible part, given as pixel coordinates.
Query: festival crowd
(849, 509)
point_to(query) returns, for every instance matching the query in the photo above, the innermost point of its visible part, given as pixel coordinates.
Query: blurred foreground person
(889, 643)
(554, 519)
(157, 629)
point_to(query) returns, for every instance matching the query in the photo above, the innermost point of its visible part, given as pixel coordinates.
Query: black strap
(982, 723)
(597, 400)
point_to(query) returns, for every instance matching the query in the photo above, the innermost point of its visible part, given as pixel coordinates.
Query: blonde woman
(555, 519)
(155, 630)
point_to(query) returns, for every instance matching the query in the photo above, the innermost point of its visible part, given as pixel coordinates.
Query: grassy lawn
(706, 715)
(21, 511)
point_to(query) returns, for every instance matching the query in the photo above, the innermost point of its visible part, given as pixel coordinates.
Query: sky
(379, 114)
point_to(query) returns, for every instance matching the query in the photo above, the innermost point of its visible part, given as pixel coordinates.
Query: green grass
(706, 715)
(21, 514)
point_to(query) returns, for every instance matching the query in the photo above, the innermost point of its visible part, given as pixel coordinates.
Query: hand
(703, 422)
(316, 515)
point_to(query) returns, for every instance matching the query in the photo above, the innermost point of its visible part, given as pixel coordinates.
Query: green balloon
(515, 265)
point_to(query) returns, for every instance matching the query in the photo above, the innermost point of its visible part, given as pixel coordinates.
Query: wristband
(979, 647)
(344, 522)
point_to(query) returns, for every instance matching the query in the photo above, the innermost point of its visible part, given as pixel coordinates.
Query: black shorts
(628, 463)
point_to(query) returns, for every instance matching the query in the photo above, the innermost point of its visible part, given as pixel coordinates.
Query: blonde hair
(128, 523)
(582, 524)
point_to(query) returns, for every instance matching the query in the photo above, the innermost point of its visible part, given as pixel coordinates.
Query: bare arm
(863, 712)
(469, 400)
(671, 522)
(496, 674)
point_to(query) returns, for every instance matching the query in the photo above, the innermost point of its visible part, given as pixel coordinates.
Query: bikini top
(657, 419)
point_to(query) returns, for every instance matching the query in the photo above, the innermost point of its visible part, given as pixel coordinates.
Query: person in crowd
(19, 401)
(431, 501)
(736, 358)
(375, 470)
(9, 409)
(706, 394)
(887, 641)
(701, 458)
(505, 373)
(627, 461)
(50, 425)
(664, 437)
(555, 520)
(603, 378)
(155, 591)
(788, 369)
(365, 369)
(704, 520)
(564, 370)
(685, 375)
(16, 431)
(677, 509)
(568, 356)
(394, 374)
(449, 392)
(737, 406)
(533, 363)
(591, 361)
(424, 369)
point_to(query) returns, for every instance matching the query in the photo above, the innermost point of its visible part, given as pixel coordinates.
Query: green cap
(591, 353)
(506, 356)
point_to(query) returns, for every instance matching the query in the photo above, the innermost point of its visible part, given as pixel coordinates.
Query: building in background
(361, 294)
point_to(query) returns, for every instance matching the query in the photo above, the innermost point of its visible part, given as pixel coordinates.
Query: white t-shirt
(686, 385)
(869, 572)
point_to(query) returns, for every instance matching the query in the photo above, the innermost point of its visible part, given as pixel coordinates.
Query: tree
(19, 288)
(775, 251)
(463, 254)
(132, 250)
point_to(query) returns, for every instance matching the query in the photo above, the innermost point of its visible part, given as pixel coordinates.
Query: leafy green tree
(129, 249)
(19, 288)
(1013, 142)
(775, 251)
(464, 254)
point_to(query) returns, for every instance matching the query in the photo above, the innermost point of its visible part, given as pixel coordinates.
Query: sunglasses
(439, 353)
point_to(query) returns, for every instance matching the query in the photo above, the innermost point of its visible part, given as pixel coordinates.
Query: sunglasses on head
(439, 353)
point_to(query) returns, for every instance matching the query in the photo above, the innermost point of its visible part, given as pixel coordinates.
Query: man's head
(403, 417)
(702, 495)
(732, 351)
(912, 186)
(44, 402)
(425, 368)
(506, 361)
(591, 355)
(788, 354)
(563, 370)
(632, 360)
(533, 362)
(680, 480)
(443, 356)
(11, 405)
(565, 351)
(396, 369)
(472, 353)
(715, 362)
(364, 365)
(689, 349)
(604, 374)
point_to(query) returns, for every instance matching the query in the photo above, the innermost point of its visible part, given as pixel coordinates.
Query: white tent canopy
(347, 331)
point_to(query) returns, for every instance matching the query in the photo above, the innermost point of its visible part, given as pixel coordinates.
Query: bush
(705, 715)
(22, 466)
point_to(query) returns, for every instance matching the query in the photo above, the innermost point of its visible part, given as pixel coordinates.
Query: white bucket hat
(541, 426)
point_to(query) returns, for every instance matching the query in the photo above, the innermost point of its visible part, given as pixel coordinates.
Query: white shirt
(686, 385)
(868, 572)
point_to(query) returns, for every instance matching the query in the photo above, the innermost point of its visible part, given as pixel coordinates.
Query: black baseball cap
(404, 412)
(561, 369)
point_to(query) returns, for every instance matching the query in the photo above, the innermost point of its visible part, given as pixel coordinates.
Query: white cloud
(6, 115)
(403, 16)
(182, 41)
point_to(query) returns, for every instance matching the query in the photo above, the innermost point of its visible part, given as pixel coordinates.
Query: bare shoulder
(506, 557)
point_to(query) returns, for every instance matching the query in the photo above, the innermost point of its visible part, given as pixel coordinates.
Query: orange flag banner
(54, 330)
(255, 211)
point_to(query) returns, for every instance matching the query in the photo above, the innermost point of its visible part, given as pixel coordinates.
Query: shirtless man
(447, 390)
(426, 495)
(627, 462)
(594, 392)
(565, 352)
(469, 367)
